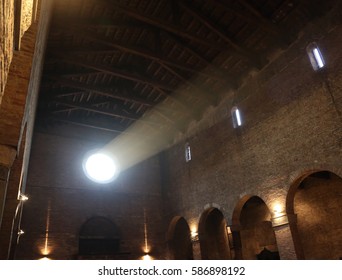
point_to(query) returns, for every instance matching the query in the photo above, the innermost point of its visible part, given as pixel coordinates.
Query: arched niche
(99, 236)
(179, 239)
(253, 234)
(314, 202)
(213, 235)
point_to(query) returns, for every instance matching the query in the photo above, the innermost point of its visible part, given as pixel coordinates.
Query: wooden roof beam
(206, 95)
(99, 126)
(168, 26)
(238, 48)
(138, 51)
(108, 92)
(256, 19)
(119, 73)
(226, 77)
(102, 111)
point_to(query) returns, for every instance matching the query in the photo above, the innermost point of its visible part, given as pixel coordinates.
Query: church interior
(219, 122)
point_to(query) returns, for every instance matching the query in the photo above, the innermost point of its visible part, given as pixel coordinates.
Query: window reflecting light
(100, 168)
(318, 57)
(236, 117)
(187, 152)
(315, 56)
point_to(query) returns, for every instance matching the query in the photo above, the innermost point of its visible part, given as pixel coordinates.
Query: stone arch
(252, 231)
(99, 236)
(212, 233)
(179, 239)
(313, 206)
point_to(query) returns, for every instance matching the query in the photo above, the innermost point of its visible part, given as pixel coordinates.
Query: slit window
(187, 152)
(315, 56)
(236, 117)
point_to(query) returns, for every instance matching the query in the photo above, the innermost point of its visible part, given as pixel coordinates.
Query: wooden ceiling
(160, 63)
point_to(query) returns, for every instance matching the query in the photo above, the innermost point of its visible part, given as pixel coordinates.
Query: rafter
(126, 75)
(46, 92)
(71, 74)
(81, 50)
(255, 18)
(238, 48)
(229, 80)
(142, 52)
(68, 109)
(100, 22)
(170, 27)
(90, 124)
(119, 73)
(108, 92)
(112, 113)
(203, 95)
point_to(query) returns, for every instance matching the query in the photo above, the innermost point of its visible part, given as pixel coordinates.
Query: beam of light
(158, 129)
(100, 167)
(146, 247)
(318, 58)
(46, 251)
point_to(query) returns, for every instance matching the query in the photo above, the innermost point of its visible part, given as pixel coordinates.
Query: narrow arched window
(236, 117)
(315, 56)
(187, 152)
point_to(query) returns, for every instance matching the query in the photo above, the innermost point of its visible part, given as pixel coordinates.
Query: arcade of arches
(314, 204)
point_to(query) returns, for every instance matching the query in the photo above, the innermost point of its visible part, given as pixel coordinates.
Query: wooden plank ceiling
(110, 63)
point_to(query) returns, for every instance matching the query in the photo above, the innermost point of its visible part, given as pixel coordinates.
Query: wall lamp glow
(194, 236)
(23, 197)
(147, 257)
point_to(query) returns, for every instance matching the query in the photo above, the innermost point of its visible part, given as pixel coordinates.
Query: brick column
(284, 238)
(196, 250)
(236, 242)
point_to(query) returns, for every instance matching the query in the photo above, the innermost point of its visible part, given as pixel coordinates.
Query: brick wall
(17, 116)
(8, 16)
(62, 199)
(6, 41)
(318, 204)
(291, 124)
